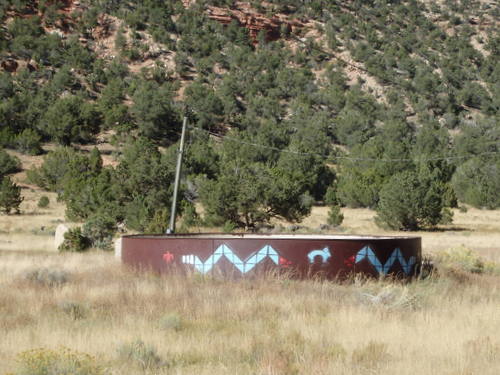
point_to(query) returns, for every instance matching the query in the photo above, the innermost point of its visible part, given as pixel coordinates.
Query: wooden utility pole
(171, 227)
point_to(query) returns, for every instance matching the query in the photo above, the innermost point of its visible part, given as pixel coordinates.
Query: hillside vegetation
(386, 104)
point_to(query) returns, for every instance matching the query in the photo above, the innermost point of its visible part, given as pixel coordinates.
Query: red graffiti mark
(349, 262)
(284, 262)
(168, 257)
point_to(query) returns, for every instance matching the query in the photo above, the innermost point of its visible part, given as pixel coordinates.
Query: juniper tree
(10, 196)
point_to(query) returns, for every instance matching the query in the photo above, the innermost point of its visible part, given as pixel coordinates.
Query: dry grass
(140, 323)
(33, 229)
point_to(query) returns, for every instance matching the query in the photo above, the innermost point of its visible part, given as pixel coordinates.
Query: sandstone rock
(103, 28)
(253, 21)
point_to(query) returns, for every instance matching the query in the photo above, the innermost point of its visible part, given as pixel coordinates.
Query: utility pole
(171, 227)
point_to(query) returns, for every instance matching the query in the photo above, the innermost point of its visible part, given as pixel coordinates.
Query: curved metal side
(300, 255)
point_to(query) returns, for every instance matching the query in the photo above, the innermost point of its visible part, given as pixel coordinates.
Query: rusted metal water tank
(252, 254)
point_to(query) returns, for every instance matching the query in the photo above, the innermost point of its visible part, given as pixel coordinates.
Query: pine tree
(10, 196)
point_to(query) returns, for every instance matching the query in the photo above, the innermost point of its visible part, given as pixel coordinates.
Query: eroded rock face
(9, 65)
(103, 28)
(255, 22)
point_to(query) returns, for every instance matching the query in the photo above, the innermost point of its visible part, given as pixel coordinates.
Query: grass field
(133, 323)
(138, 323)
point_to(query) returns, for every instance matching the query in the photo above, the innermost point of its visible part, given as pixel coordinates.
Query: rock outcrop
(103, 28)
(59, 236)
(9, 65)
(255, 22)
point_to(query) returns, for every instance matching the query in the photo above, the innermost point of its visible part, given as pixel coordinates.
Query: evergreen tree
(10, 196)
(8, 164)
(477, 182)
(410, 201)
(71, 119)
(154, 113)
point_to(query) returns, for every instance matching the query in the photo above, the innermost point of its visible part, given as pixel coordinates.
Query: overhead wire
(325, 156)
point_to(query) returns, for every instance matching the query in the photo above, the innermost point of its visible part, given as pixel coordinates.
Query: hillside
(290, 103)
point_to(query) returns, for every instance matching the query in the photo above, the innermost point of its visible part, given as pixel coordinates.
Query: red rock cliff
(247, 17)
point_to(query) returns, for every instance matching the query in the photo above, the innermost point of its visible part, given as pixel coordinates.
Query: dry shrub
(141, 354)
(171, 322)
(483, 348)
(388, 296)
(74, 310)
(336, 352)
(370, 355)
(460, 258)
(47, 277)
(56, 362)
(279, 362)
(461, 264)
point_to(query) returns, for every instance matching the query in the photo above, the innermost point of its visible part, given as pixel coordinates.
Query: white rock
(118, 248)
(59, 236)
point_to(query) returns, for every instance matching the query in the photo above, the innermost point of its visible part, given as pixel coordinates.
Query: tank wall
(332, 258)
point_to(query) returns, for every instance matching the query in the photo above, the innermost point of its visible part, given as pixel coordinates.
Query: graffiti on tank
(349, 262)
(285, 263)
(324, 254)
(367, 252)
(243, 266)
(168, 257)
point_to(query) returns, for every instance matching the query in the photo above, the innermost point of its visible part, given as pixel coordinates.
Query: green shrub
(56, 362)
(335, 216)
(409, 201)
(56, 166)
(74, 241)
(28, 142)
(477, 182)
(229, 227)
(99, 231)
(6, 137)
(71, 119)
(159, 223)
(170, 322)
(464, 259)
(190, 217)
(10, 196)
(43, 201)
(8, 164)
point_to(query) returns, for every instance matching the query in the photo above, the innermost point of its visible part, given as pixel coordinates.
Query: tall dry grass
(34, 228)
(140, 323)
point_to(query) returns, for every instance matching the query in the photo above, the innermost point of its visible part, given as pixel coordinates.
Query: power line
(225, 137)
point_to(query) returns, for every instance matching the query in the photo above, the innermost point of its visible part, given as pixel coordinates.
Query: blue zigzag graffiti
(367, 252)
(324, 254)
(225, 251)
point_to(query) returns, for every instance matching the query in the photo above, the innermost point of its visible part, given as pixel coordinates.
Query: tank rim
(270, 236)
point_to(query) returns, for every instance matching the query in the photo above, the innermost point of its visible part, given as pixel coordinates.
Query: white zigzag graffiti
(225, 251)
(367, 252)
